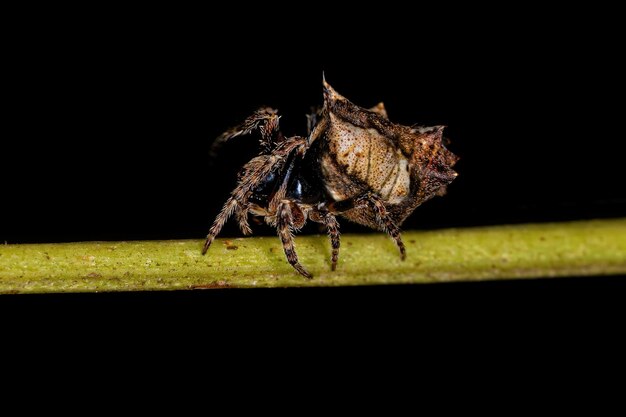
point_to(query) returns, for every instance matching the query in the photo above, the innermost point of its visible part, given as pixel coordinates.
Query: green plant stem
(524, 251)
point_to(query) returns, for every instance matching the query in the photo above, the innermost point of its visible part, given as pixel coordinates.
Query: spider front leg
(227, 211)
(232, 206)
(254, 171)
(285, 225)
(264, 119)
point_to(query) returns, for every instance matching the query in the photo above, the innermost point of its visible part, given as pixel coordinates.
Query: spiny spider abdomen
(353, 163)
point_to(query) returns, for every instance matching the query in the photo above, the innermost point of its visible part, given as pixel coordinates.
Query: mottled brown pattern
(354, 163)
(413, 157)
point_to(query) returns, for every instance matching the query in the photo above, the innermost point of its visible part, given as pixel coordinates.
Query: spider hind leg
(384, 221)
(332, 229)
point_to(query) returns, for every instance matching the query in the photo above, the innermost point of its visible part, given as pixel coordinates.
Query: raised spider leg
(264, 119)
(374, 202)
(285, 232)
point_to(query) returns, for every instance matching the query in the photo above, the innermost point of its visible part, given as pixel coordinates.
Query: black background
(113, 113)
(115, 116)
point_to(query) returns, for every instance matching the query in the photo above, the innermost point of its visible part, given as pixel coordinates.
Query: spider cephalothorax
(353, 163)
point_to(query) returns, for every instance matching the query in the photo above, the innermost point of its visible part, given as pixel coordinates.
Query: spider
(353, 163)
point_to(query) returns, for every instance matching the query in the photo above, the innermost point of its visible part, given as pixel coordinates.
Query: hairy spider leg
(264, 119)
(385, 222)
(332, 229)
(242, 219)
(375, 203)
(255, 170)
(287, 215)
(285, 232)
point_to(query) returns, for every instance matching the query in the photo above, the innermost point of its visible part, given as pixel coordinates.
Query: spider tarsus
(207, 244)
(302, 271)
(402, 249)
